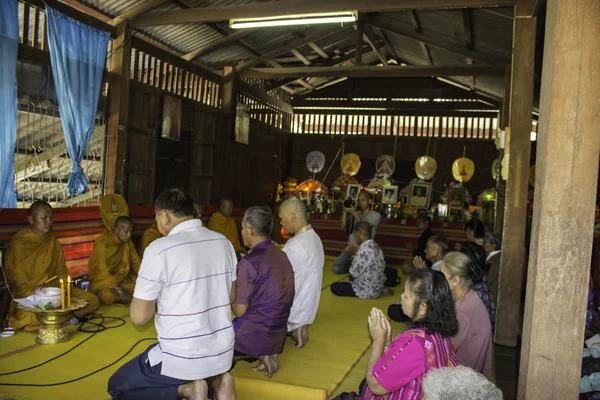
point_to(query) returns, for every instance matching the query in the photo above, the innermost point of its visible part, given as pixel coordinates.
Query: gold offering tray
(54, 322)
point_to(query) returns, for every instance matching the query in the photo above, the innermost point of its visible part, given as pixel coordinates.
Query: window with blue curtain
(9, 46)
(78, 57)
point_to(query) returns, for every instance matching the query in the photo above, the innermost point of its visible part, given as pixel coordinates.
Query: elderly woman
(492, 244)
(473, 343)
(396, 367)
(457, 384)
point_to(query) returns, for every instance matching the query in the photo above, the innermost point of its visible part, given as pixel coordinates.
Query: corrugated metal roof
(491, 32)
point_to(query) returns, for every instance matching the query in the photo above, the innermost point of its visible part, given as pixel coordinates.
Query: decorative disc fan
(425, 167)
(463, 169)
(315, 161)
(350, 164)
(113, 206)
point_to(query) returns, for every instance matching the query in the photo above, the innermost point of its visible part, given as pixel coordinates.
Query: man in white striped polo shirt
(187, 282)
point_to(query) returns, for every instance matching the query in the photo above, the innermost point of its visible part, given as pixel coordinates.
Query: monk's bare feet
(388, 292)
(305, 334)
(224, 387)
(197, 390)
(300, 336)
(268, 365)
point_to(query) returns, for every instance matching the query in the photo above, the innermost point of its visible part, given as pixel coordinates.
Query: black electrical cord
(100, 327)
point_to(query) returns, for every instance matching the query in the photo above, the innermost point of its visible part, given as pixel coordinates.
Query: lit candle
(62, 294)
(69, 291)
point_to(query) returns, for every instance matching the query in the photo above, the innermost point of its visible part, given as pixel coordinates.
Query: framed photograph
(456, 198)
(390, 195)
(242, 124)
(419, 194)
(353, 191)
(171, 123)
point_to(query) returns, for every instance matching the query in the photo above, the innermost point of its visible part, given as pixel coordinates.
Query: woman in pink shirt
(473, 342)
(396, 367)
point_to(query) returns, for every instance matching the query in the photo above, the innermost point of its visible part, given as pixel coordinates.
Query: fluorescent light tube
(289, 20)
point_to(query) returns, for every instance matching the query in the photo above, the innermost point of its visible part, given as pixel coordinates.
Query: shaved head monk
(33, 256)
(223, 223)
(305, 252)
(114, 264)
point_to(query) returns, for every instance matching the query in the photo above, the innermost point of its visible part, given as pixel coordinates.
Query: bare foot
(300, 336)
(224, 387)
(197, 390)
(305, 334)
(270, 364)
(388, 292)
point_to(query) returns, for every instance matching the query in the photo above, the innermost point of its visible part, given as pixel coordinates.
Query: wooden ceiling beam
(371, 39)
(322, 33)
(300, 57)
(396, 105)
(139, 10)
(414, 18)
(367, 71)
(226, 40)
(389, 25)
(412, 113)
(468, 32)
(279, 8)
(265, 97)
(319, 50)
(391, 51)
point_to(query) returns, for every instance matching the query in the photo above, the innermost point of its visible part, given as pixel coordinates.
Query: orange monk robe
(31, 259)
(149, 236)
(112, 263)
(226, 227)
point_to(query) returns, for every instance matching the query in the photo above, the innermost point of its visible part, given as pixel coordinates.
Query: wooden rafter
(391, 51)
(468, 32)
(395, 105)
(368, 71)
(140, 9)
(301, 57)
(389, 25)
(286, 48)
(414, 18)
(319, 50)
(218, 44)
(258, 9)
(371, 39)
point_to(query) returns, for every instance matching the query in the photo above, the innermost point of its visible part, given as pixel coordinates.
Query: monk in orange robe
(222, 222)
(114, 264)
(149, 236)
(33, 256)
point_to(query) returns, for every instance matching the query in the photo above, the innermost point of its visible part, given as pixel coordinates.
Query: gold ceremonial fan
(113, 206)
(463, 169)
(425, 167)
(350, 164)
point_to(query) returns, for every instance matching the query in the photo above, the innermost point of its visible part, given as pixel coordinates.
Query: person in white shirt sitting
(367, 272)
(305, 252)
(187, 283)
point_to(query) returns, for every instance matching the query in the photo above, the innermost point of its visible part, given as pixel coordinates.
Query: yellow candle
(69, 292)
(62, 294)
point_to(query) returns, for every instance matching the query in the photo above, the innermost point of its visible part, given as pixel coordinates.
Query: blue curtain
(9, 45)
(78, 56)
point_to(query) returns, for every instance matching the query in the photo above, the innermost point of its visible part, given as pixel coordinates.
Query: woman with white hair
(473, 342)
(458, 383)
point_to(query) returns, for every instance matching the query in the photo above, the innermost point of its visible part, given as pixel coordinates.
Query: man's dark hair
(478, 268)
(440, 241)
(260, 219)
(364, 227)
(494, 238)
(123, 219)
(431, 287)
(176, 201)
(477, 227)
(37, 205)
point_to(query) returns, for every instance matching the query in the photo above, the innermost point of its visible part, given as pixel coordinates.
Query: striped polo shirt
(189, 273)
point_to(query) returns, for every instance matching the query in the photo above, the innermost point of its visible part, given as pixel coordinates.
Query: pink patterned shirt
(406, 361)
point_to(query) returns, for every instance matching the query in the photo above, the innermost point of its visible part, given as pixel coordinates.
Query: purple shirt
(265, 281)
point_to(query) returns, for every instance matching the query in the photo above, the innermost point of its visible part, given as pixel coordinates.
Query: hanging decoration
(315, 161)
(385, 167)
(463, 169)
(113, 206)
(425, 167)
(350, 166)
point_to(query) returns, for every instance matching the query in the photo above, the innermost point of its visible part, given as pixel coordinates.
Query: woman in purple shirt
(396, 367)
